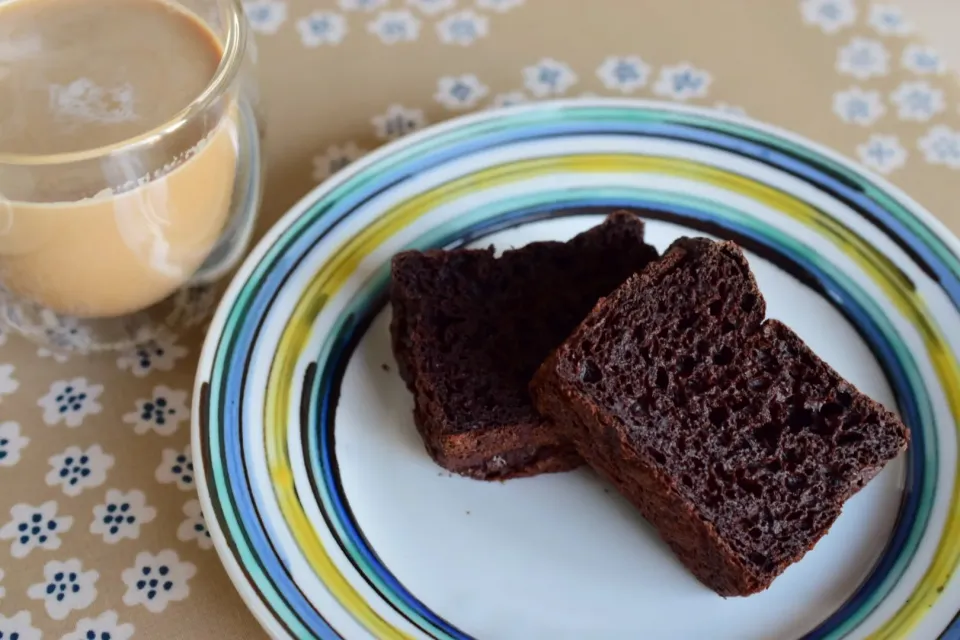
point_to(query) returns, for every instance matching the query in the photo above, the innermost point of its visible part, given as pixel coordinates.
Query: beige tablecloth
(96, 483)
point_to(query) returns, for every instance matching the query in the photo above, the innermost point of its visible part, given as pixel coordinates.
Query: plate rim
(256, 254)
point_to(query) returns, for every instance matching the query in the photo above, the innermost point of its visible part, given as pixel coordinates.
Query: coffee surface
(81, 74)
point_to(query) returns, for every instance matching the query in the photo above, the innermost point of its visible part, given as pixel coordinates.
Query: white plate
(333, 522)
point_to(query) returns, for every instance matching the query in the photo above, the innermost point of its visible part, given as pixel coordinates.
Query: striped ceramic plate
(333, 522)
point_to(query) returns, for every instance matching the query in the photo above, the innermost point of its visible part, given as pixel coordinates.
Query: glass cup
(105, 247)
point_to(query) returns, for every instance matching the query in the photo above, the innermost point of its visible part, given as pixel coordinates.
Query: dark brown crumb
(731, 437)
(469, 329)
(385, 367)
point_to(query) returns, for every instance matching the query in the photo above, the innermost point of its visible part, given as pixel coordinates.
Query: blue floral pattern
(888, 20)
(121, 515)
(160, 353)
(863, 58)
(34, 527)
(157, 580)
(941, 145)
(682, 82)
(162, 413)
(882, 153)
(18, 627)
(508, 99)
(625, 74)
(460, 92)
(266, 16)
(393, 27)
(194, 527)
(65, 587)
(548, 77)
(918, 101)
(78, 469)
(335, 158)
(176, 467)
(322, 28)
(397, 122)
(106, 626)
(70, 402)
(856, 106)
(829, 15)
(462, 28)
(11, 443)
(922, 60)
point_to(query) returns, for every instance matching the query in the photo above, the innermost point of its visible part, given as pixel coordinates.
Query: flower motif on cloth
(194, 527)
(682, 82)
(548, 77)
(3, 590)
(856, 106)
(393, 27)
(397, 122)
(65, 335)
(336, 157)
(863, 58)
(121, 515)
(265, 16)
(882, 153)
(70, 401)
(888, 20)
(8, 384)
(508, 99)
(65, 587)
(193, 305)
(160, 353)
(19, 627)
(11, 443)
(460, 92)
(106, 626)
(176, 466)
(76, 469)
(462, 28)
(33, 527)
(432, 7)
(941, 145)
(362, 5)
(830, 15)
(623, 73)
(3, 336)
(732, 109)
(922, 60)
(320, 28)
(500, 6)
(918, 101)
(162, 412)
(157, 580)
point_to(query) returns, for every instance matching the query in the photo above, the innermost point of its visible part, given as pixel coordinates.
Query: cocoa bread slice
(469, 329)
(726, 431)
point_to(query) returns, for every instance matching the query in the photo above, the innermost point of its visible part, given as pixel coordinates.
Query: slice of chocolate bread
(470, 329)
(731, 437)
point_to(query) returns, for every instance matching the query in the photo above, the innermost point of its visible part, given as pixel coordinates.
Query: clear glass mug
(102, 248)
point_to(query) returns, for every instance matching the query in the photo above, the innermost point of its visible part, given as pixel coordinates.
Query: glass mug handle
(245, 202)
